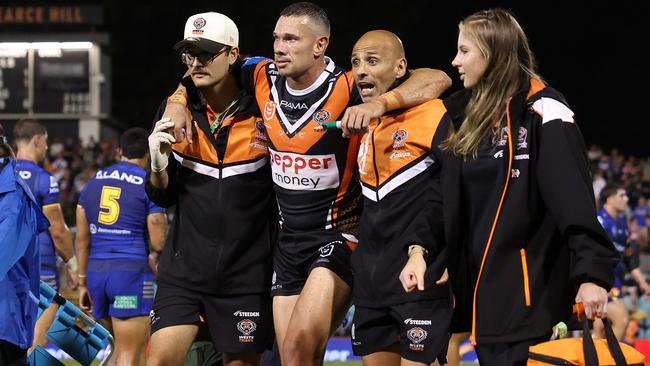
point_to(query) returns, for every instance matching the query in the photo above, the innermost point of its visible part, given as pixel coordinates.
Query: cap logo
(199, 23)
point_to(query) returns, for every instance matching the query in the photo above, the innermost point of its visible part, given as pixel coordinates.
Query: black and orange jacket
(400, 178)
(544, 240)
(314, 172)
(225, 214)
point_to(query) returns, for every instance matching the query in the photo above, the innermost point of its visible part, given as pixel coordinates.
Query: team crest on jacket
(398, 138)
(416, 335)
(269, 110)
(501, 138)
(321, 116)
(246, 327)
(199, 23)
(261, 131)
(259, 126)
(522, 135)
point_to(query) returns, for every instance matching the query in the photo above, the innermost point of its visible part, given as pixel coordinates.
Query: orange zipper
(524, 268)
(494, 223)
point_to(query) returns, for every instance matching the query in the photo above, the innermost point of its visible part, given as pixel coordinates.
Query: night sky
(596, 55)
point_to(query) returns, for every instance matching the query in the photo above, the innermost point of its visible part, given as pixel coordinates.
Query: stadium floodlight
(46, 45)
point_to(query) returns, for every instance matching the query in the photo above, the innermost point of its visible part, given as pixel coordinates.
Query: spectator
(641, 210)
(599, 182)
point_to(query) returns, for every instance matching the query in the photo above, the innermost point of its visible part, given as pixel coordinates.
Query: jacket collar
(456, 104)
(518, 104)
(520, 99)
(196, 101)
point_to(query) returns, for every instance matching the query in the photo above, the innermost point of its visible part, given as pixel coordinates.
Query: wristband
(178, 97)
(154, 170)
(392, 100)
(418, 249)
(72, 264)
(328, 126)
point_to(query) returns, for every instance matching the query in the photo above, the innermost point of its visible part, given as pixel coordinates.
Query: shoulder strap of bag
(588, 347)
(613, 345)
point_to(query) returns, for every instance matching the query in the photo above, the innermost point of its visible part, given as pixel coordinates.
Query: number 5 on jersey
(109, 202)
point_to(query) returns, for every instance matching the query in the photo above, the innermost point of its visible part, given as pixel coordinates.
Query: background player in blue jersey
(614, 199)
(31, 141)
(114, 216)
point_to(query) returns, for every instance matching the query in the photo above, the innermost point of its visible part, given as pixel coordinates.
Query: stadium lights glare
(46, 45)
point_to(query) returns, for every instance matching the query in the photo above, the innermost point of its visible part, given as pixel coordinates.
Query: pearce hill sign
(50, 15)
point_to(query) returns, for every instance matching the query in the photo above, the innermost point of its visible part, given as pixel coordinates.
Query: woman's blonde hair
(503, 43)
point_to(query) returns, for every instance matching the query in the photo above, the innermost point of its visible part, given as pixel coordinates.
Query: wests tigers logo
(246, 326)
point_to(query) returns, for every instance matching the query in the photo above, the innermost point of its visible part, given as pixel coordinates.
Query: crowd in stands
(73, 164)
(633, 173)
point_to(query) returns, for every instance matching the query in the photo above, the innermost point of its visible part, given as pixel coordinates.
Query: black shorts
(12, 355)
(421, 328)
(300, 252)
(237, 324)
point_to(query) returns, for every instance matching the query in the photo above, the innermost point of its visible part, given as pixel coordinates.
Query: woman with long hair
(524, 242)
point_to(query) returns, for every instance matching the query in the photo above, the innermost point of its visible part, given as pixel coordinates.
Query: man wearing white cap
(215, 269)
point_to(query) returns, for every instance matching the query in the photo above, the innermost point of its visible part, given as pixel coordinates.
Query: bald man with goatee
(402, 313)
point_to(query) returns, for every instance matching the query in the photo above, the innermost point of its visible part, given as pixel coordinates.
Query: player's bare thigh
(320, 308)
(169, 346)
(241, 359)
(389, 357)
(282, 309)
(131, 336)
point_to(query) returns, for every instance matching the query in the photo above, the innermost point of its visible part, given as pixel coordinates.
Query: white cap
(209, 31)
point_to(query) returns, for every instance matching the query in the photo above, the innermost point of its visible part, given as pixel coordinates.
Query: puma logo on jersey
(304, 172)
(292, 105)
